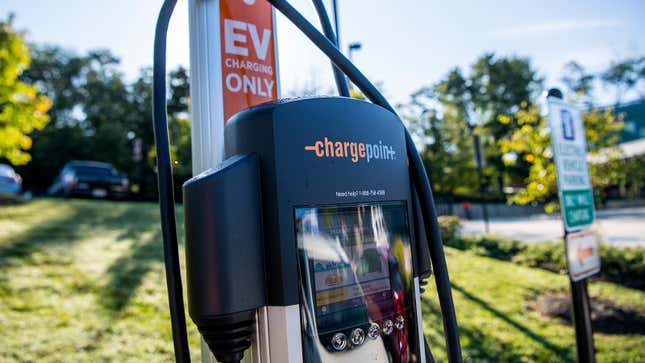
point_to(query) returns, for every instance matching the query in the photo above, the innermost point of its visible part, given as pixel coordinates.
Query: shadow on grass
(135, 224)
(564, 355)
(126, 272)
(62, 230)
(77, 221)
(54, 239)
(477, 346)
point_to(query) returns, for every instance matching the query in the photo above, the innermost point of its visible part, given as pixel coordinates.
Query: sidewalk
(619, 227)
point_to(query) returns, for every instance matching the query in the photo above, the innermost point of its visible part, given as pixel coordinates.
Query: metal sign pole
(581, 317)
(581, 312)
(582, 321)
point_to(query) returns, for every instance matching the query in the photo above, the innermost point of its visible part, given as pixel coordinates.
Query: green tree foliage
(532, 144)
(624, 76)
(498, 86)
(22, 108)
(178, 127)
(611, 169)
(448, 152)
(97, 115)
(484, 102)
(615, 171)
(577, 79)
(497, 100)
(180, 123)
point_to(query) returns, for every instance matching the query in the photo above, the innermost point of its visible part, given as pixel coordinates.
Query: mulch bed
(607, 317)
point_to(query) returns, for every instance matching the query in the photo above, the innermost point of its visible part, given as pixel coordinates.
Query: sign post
(233, 66)
(578, 213)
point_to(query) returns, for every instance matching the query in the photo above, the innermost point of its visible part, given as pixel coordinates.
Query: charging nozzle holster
(225, 254)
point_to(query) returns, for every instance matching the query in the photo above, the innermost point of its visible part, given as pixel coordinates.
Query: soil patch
(607, 316)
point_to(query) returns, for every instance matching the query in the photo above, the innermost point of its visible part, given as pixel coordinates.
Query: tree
(627, 175)
(89, 106)
(179, 100)
(577, 79)
(447, 144)
(179, 124)
(624, 76)
(498, 86)
(532, 143)
(481, 102)
(22, 108)
(97, 115)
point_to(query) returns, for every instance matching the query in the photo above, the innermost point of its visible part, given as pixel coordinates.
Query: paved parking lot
(624, 227)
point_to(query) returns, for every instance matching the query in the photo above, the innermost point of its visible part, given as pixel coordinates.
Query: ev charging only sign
(570, 150)
(248, 54)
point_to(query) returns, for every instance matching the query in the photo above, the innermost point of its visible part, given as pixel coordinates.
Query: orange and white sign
(583, 255)
(248, 49)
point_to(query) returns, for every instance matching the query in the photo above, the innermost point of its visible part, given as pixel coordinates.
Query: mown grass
(497, 325)
(82, 281)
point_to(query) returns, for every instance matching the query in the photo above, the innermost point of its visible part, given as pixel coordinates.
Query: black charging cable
(166, 189)
(417, 172)
(325, 24)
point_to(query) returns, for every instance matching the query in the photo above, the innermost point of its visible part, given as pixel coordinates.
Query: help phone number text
(360, 193)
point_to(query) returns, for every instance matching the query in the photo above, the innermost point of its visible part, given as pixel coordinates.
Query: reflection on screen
(349, 255)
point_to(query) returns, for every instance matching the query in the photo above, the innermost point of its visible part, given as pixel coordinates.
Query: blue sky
(406, 44)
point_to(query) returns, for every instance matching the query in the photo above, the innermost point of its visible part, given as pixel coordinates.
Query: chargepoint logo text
(352, 150)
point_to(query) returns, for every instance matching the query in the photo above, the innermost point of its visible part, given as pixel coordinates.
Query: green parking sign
(577, 208)
(570, 156)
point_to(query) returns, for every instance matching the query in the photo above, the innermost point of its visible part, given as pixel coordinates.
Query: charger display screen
(353, 257)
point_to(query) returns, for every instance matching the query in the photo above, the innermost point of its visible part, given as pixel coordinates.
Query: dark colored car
(91, 179)
(10, 182)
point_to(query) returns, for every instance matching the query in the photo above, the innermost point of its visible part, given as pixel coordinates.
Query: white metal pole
(206, 112)
(207, 146)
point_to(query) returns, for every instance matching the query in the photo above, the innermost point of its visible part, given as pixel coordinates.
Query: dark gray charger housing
(328, 152)
(225, 253)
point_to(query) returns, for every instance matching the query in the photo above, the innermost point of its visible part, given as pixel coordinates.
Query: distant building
(631, 146)
(634, 120)
(632, 137)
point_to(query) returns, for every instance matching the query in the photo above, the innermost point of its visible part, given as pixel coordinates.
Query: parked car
(91, 179)
(10, 182)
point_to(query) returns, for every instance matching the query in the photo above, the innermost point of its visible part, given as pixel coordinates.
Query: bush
(623, 265)
(490, 246)
(502, 249)
(548, 255)
(450, 227)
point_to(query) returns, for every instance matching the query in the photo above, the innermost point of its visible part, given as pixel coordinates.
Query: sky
(406, 44)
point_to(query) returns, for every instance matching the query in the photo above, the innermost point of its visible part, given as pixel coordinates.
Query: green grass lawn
(82, 281)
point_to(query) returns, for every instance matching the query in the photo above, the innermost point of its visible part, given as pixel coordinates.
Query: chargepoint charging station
(311, 240)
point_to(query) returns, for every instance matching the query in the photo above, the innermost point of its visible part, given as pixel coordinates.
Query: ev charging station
(310, 223)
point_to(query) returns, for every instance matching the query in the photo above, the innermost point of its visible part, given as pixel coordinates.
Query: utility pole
(351, 48)
(480, 174)
(479, 164)
(335, 10)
